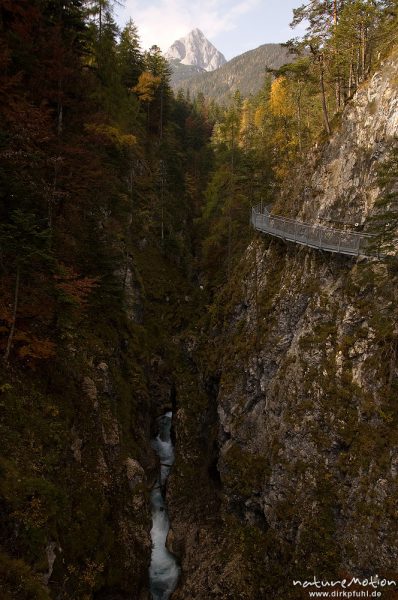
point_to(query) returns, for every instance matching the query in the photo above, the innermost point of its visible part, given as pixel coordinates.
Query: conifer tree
(130, 55)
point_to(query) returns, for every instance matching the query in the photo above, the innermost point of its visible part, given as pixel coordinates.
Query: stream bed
(164, 570)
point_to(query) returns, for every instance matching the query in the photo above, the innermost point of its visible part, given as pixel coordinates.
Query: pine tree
(130, 55)
(322, 17)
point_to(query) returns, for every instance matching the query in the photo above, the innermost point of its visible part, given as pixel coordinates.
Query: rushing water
(164, 570)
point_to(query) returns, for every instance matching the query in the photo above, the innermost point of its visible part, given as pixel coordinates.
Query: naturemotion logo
(354, 587)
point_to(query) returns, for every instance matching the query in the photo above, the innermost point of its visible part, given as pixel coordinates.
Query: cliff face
(341, 180)
(75, 516)
(74, 488)
(307, 365)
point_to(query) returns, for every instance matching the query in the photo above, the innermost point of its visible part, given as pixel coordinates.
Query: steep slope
(305, 375)
(182, 72)
(244, 73)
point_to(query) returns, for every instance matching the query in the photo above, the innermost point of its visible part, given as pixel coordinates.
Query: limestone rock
(135, 473)
(90, 389)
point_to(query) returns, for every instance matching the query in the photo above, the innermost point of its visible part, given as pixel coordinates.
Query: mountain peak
(195, 49)
(197, 32)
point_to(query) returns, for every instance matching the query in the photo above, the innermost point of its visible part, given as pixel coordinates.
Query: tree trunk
(351, 75)
(162, 204)
(338, 92)
(363, 51)
(60, 108)
(299, 119)
(162, 226)
(14, 315)
(161, 113)
(323, 94)
(337, 85)
(231, 199)
(131, 177)
(229, 242)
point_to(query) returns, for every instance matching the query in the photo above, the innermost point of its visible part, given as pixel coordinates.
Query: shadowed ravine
(164, 570)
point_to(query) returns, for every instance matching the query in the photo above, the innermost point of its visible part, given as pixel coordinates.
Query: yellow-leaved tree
(280, 102)
(284, 138)
(147, 86)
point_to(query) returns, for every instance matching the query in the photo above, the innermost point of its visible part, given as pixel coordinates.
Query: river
(164, 570)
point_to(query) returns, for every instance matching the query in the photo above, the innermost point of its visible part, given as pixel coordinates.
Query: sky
(233, 26)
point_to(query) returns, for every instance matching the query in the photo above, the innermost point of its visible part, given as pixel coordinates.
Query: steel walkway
(314, 236)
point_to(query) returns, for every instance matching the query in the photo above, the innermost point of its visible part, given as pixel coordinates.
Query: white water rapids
(164, 570)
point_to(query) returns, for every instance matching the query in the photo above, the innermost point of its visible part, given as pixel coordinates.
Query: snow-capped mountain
(195, 49)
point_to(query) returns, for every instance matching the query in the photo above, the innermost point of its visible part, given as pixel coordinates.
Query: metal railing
(314, 236)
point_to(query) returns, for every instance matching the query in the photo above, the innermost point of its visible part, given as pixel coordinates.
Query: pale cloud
(163, 21)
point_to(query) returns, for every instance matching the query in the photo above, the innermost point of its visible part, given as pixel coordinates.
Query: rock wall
(306, 358)
(340, 182)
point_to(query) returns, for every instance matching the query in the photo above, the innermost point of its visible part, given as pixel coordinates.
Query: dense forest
(124, 213)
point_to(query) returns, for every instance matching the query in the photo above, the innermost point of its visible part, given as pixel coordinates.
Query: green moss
(322, 332)
(244, 473)
(19, 582)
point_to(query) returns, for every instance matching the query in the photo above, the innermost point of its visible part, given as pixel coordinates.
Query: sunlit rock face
(195, 49)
